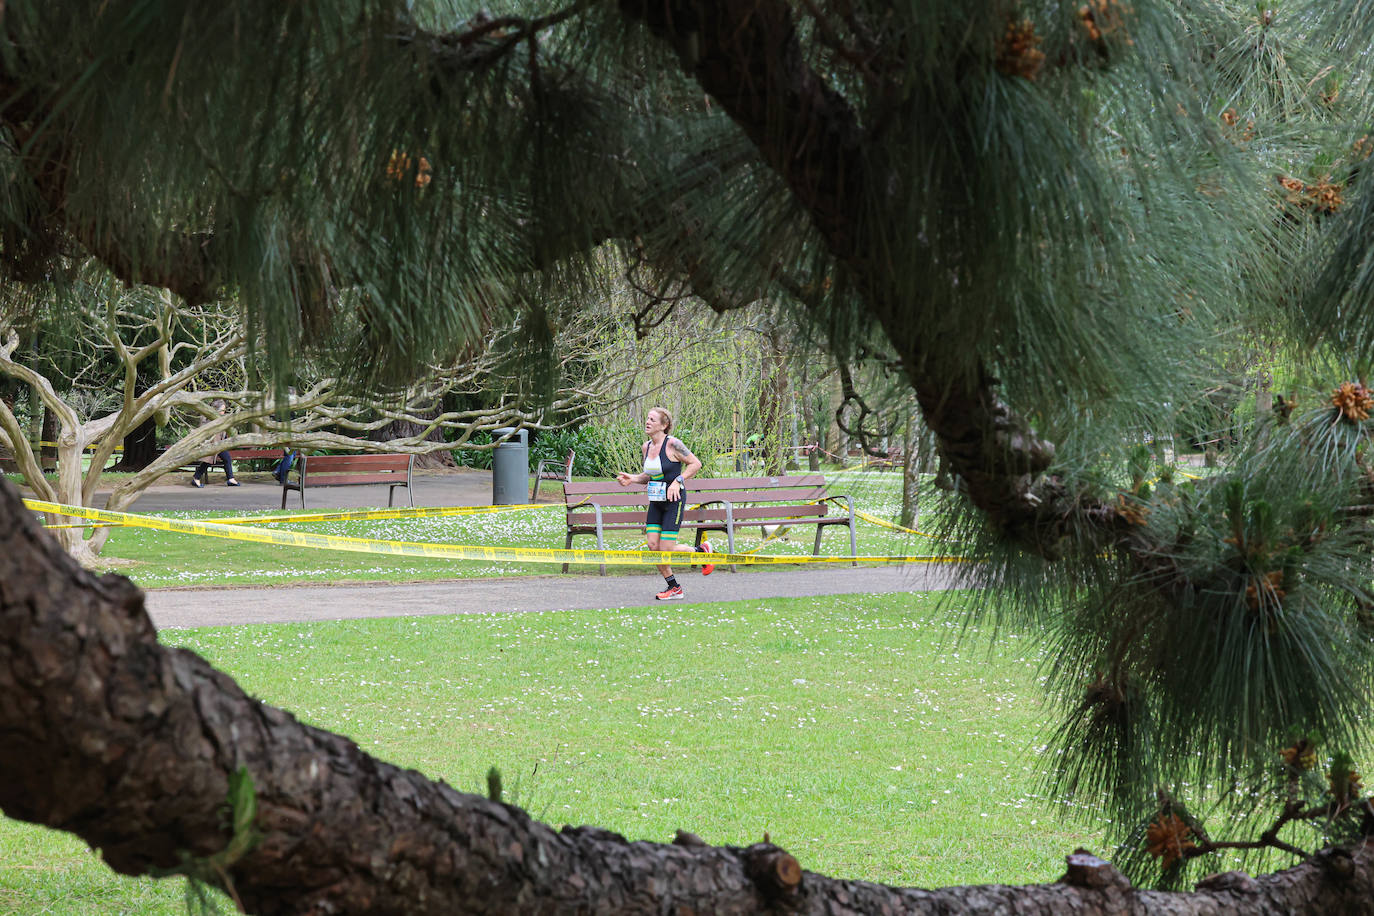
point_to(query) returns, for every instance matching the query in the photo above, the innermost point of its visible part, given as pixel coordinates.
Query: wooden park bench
(724, 504)
(350, 471)
(552, 469)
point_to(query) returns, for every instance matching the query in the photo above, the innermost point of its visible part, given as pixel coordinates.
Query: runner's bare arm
(625, 479)
(690, 465)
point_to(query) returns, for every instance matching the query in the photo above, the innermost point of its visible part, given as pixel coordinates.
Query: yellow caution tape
(891, 526)
(453, 551)
(88, 448)
(779, 533)
(345, 515)
(356, 514)
(1158, 477)
(448, 511)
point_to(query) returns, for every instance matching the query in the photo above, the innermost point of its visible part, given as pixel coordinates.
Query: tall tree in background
(1048, 212)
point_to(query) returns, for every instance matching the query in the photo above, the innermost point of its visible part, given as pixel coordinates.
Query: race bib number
(658, 491)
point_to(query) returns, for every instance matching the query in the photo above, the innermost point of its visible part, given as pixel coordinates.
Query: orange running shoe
(670, 594)
(709, 567)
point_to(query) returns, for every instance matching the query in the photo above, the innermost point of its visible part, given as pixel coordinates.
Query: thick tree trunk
(911, 470)
(140, 447)
(7, 463)
(47, 454)
(131, 745)
(773, 397)
(401, 429)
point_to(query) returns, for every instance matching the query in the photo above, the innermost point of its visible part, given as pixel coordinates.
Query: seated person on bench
(198, 478)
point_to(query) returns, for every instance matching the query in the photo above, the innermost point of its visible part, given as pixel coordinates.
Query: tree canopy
(1047, 218)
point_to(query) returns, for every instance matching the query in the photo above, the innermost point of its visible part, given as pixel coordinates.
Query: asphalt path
(194, 607)
(198, 607)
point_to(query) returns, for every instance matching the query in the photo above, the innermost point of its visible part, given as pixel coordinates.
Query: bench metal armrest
(849, 503)
(729, 528)
(853, 540)
(729, 521)
(600, 533)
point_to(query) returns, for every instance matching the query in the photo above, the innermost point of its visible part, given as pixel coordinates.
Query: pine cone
(1102, 17)
(1168, 838)
(1300, 756)
(1270, 584)
(1345, 788)
(1353, 400)
(399, 165)
(1017, 51)
(1133, 513)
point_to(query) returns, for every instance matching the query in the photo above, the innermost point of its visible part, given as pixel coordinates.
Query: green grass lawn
(156, 559)
(854, 730)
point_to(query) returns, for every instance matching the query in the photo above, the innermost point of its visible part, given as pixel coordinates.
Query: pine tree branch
(186, 263)
(483, 41)
(749, 58)
(1269, 839)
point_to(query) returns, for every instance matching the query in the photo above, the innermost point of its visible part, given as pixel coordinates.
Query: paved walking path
(222, 606)
(191, 607)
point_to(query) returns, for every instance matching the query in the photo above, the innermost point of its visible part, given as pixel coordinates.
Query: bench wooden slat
(389, 470)
(741, 497)
(609, 518)
(346, 480)
(638, 497)
(753, 513)
(256, 454)
(336, 463)
(757, 483)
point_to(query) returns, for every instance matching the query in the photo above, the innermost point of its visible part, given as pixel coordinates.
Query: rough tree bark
(911, 469)
(48, 432)
(131, 745)
(140, 447)
(404, 429)
(773, 395)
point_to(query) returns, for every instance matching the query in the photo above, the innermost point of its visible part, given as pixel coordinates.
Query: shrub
(596, 453)
(468, 457)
